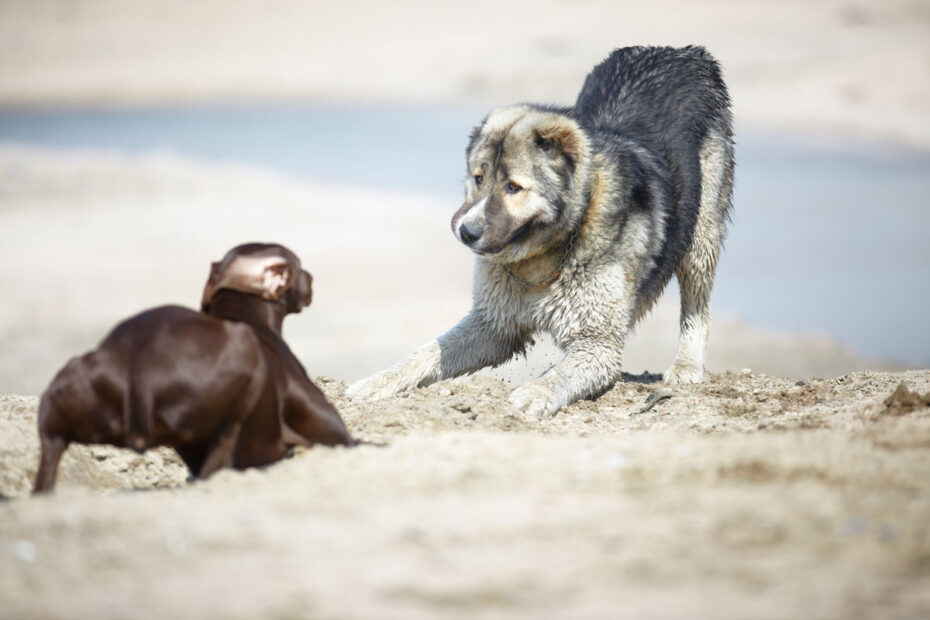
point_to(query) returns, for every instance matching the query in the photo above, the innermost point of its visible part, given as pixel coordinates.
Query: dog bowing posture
(579, 217)
(219, 386)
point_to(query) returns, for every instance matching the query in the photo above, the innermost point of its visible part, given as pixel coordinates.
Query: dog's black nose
(469, 233)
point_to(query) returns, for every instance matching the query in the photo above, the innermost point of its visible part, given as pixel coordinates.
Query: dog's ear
(265, 276)
(558, 135)
(300, 295)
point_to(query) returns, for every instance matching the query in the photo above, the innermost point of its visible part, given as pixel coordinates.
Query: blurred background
(139, 141)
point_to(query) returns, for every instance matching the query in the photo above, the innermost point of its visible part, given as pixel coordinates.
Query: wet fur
(616, 194)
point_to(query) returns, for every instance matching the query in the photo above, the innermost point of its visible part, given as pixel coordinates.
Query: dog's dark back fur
(650, 109)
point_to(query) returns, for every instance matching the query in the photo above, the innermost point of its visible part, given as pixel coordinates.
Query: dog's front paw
(534, 400)
(421, 368)
(375, 387)
(683, 373)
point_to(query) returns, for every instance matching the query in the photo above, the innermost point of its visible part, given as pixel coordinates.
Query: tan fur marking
(600, 190)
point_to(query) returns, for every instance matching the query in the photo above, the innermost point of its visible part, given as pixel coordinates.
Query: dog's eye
(479, 179)
(512, 188)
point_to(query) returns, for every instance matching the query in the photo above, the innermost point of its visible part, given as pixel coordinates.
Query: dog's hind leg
(52, 449)
(220, 452)
(696, 270)
(193, 455)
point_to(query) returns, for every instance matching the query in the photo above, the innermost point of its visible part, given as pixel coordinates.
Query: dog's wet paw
(420, 369)
(372, 388)
(682, 374)
(535, 401)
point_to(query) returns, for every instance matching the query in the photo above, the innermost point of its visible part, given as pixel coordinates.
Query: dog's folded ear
(300, 294)
(557, 134)
(265, 276)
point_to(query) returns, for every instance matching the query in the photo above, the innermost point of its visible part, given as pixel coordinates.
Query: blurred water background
(828, 237)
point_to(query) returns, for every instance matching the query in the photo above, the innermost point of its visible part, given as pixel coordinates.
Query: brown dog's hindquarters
(220, 386)
(169, 376)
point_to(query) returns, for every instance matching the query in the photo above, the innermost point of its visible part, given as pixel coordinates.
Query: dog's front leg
(592, 332)
(469, 346)
(588, 368)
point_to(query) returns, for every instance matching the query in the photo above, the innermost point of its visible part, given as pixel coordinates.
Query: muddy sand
(748, 497)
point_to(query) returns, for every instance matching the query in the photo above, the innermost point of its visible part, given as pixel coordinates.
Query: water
(827, 237)
(835, 240)
(417, 149)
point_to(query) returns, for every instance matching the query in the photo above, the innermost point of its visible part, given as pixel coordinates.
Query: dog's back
(663, 94)
(664, 109)
(187, 366)
(167, 376)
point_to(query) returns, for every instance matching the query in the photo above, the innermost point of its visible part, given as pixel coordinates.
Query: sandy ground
(749, 497)
(789, 485)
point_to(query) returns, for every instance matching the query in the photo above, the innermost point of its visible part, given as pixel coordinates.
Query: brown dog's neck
(259, 313)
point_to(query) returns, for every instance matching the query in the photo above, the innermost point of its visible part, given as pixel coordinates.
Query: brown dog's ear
(265, 276)
(301, 294)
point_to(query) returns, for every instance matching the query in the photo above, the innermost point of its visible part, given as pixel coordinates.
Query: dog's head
(266, 270)
(522, 190)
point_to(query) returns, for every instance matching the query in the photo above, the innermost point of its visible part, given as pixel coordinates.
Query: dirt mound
(903, 401)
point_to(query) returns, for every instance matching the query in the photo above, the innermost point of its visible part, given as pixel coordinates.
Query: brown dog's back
(167, 376)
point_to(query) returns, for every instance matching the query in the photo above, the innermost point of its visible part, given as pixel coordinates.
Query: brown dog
(220, 386)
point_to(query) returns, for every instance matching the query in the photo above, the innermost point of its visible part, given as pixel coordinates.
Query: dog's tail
(137, 414)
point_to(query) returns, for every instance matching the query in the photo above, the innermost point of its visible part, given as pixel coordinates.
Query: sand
(748, 497)
(794, 483)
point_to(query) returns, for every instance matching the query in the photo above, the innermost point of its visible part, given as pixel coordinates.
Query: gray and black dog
(579, 217)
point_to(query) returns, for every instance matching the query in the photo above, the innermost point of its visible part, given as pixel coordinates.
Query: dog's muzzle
(470, 233)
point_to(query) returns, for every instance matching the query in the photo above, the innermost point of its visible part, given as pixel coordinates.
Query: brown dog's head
(266, 270)
(526, 170)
